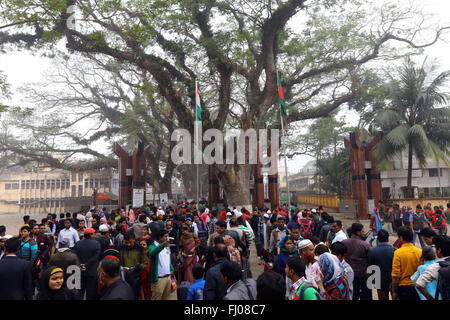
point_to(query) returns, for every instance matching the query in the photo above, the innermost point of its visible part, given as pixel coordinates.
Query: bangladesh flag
(281, 98)
(197, 100)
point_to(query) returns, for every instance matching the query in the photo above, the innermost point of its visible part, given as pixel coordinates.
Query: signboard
(138, 198)
(163, 197)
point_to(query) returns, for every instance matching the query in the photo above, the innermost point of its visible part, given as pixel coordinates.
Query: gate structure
(366, 180)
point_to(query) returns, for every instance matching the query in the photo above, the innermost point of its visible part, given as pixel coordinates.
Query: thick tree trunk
(409, 191)
(235, 180)
(188, 175)
(162, 186)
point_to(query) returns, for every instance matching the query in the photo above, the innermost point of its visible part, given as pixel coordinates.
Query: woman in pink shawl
(89, 220)
(235, 256)
(188, 244)
(131, 215)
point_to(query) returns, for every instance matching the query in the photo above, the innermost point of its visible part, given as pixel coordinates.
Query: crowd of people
(203, 253)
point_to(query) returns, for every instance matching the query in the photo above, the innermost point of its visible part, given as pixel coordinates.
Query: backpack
(301, 291)
(305, 229)
(418, 221)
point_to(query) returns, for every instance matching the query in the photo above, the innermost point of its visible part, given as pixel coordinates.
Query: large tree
(416, 118)
(234, 49)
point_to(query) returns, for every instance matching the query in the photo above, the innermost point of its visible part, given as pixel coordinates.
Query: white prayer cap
(304, 243)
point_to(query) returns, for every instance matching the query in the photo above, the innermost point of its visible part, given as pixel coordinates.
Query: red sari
(189, 256)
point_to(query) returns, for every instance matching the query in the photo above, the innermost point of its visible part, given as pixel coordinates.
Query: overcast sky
(22, 67)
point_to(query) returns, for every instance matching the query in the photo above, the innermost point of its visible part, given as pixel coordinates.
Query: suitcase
(182, 290)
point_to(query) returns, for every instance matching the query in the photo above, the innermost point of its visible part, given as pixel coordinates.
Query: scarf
(46, 293)
(378, 223)
(331, 267)
(186, 239)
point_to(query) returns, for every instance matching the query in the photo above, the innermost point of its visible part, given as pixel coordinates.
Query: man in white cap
(2, 244)
(104, 238)
(227, 220)
(312, 272)
(160, 211)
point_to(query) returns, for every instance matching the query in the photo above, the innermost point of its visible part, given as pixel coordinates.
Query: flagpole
(285, 157)
(285, 161)
(196, 129)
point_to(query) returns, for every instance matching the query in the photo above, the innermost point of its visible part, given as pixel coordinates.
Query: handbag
(173, 285)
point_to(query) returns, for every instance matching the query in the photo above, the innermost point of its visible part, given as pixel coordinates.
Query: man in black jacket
(215, 288)
(88, 251)
(109, 276)
(15, 274)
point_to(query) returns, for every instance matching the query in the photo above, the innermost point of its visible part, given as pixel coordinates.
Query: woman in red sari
(145, 273)
(188, 244)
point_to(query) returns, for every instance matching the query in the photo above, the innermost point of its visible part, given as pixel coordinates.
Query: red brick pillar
(139, 165)
(213, 187)
(373, 176)
(259, 183)
(125, 182)
(357, 164)
(274, 198)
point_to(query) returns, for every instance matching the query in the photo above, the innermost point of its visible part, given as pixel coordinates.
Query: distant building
(433, 181)
(45, 190)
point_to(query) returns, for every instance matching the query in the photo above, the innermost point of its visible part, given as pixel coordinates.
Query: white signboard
(138, 198)
(163, 197)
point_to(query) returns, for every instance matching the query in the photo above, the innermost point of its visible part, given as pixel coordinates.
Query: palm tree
(417, 118)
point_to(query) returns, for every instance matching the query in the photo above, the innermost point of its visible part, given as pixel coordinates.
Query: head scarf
(283, 241)
(229, 241)
(46, 293)
(330, 266)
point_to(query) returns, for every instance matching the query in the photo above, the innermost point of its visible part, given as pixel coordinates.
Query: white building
(433, 181)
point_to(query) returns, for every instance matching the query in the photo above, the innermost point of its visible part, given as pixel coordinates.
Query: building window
(8, 186)
(434, 172)
(80, 176)
(32, 184)
(15, 186)
(74, 191)
(91, 183)
(58, 184)
(48, 184)
(86, 183)
(42, 184)
(63, 184)
(27, 184)
(74, 176)
(80, 191)
(53, 184)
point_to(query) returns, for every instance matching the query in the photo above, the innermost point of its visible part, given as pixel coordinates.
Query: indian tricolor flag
(197, 102)
(281, 98)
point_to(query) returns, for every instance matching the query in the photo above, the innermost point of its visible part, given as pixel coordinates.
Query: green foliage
(417, 115)
(334, 174)
(98, 38)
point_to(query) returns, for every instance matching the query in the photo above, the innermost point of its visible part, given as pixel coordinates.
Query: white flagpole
(197, 146)
(285, 161)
